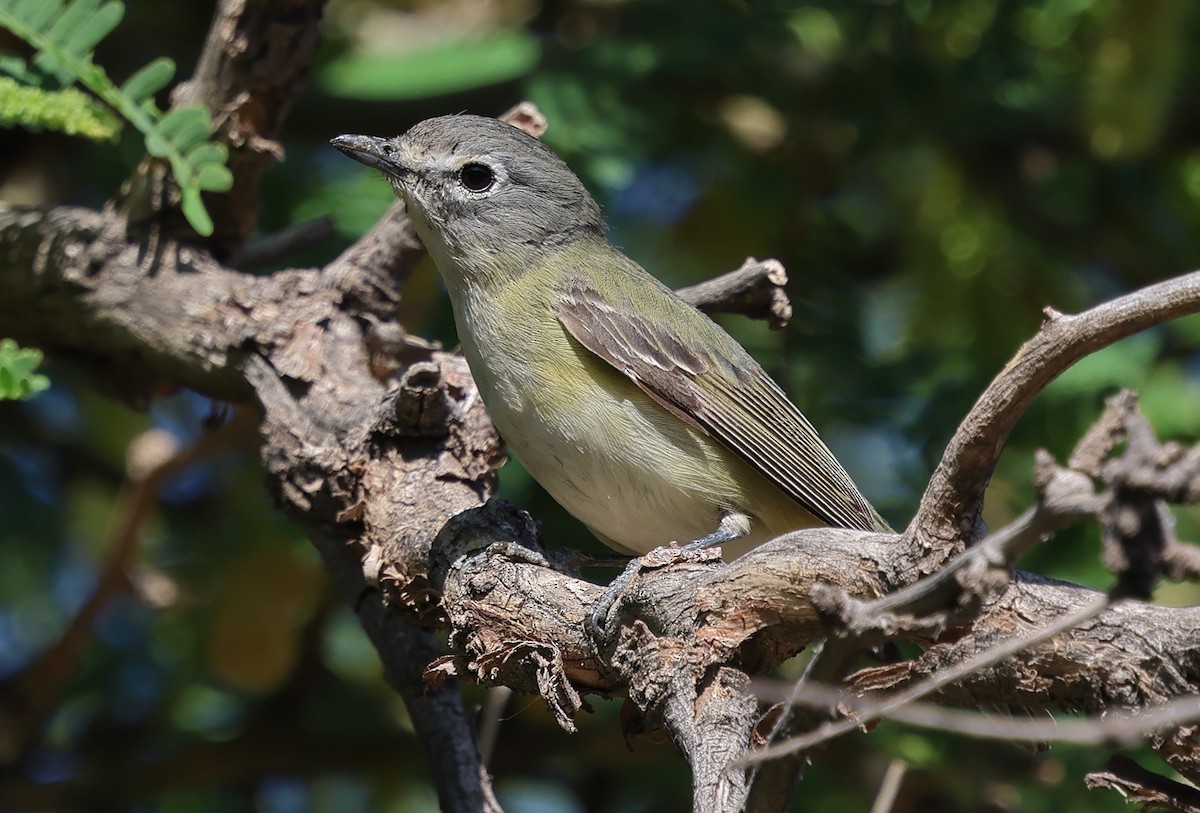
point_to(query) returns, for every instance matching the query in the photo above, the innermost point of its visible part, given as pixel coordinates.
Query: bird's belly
(631, 497)
(627, 500)
(635, 474)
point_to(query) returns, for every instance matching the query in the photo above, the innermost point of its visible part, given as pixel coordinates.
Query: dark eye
(477, 177)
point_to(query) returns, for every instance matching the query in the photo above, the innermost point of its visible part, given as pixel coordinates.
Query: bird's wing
(730, 399)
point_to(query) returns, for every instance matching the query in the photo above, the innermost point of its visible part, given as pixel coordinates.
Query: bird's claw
(597, 620)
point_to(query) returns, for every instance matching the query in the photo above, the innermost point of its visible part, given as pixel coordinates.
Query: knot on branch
(437, 400)
(424, 403)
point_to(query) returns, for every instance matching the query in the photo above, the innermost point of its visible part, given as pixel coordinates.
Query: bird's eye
(477, 177)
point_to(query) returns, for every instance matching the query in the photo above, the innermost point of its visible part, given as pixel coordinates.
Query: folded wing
(724, 394)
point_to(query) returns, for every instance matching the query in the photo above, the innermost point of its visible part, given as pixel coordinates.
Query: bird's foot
(597, 620)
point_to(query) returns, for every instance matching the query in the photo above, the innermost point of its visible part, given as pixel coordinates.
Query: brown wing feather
(734, 402)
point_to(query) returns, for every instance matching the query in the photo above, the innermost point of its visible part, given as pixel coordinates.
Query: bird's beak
(380, 153)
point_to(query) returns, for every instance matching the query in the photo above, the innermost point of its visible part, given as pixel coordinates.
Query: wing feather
(721, 392)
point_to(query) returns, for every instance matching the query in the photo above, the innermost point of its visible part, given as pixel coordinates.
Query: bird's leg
(732, 526)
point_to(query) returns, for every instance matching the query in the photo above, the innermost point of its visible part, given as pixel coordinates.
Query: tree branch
(949, 514)
(255, 61)
(756, 289)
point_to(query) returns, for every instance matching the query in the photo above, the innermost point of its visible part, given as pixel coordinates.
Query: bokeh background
(932, 174)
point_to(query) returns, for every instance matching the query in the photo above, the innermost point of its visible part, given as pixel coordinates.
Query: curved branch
(948, 516)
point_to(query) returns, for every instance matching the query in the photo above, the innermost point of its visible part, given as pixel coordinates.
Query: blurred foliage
(932, 174)
(445, 68)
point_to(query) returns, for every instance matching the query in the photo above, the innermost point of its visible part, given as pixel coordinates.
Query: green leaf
(156, 145)
(180, 137)
(18, 378)
(214, 178)
(74, 17)
(12, 65)
(64, 41)
(184, 127)
(150, 79)
(38, 12)
(96, 28)
(208, 153)
(194, 211)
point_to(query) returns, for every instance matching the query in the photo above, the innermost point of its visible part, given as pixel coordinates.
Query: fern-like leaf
(13, 66)
(68, 110)
(37, 12)
(64, 34)
(95, 28)
(149, 80)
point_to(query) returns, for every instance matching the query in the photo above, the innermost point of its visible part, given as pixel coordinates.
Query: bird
(636, 412)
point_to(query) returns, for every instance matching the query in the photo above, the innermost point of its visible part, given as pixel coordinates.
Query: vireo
(636, 412)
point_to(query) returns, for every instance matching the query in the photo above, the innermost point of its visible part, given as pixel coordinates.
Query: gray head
(476, 187)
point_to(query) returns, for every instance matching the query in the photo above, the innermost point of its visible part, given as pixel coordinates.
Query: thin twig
(285, 242)
(756, 289)
(870, 712)
(889, 788)
(1121, 727)
(490, 716)
(1140, 786)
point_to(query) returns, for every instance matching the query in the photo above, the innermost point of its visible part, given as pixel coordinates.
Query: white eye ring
(476, 177)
